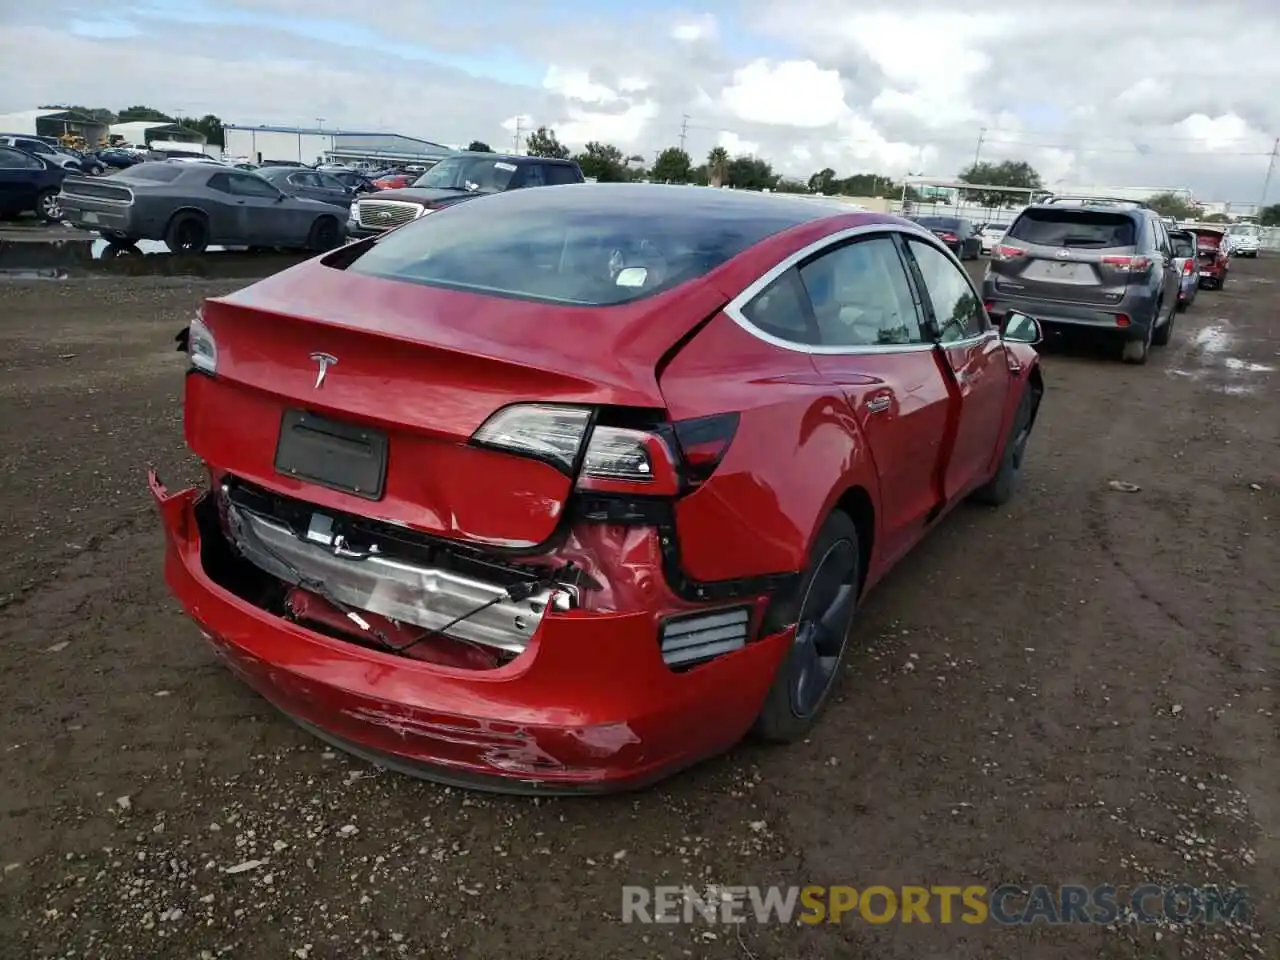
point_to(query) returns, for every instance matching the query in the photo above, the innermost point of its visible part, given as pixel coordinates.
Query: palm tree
(717, 164)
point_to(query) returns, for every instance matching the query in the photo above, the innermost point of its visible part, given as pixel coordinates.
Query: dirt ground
(1078, 688)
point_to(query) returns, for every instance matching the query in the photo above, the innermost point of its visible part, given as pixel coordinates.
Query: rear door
(1070, 255)
(869, 342)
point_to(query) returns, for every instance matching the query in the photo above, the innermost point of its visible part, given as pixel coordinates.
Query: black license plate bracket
(333, 454)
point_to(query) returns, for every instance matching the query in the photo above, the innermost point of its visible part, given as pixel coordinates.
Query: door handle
(879, 404)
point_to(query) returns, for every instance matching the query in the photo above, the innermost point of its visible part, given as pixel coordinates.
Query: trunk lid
(1069, 255)
(415, 371)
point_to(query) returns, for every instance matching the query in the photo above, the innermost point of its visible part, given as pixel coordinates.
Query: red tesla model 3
(565, 489)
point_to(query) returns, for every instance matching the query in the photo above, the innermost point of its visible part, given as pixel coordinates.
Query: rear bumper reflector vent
(687, 640)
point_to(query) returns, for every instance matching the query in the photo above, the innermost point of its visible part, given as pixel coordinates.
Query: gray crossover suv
(1088, 262)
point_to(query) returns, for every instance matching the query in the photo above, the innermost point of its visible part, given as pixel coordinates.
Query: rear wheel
(1136, 351)
(827, 600)
(187, 233)
(48, 208)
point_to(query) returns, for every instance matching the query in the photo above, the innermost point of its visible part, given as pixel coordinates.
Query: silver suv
(1088, 262)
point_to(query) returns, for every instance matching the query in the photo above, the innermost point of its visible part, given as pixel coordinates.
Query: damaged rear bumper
(588, 706)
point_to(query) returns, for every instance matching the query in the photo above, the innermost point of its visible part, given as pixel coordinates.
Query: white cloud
(873, 87)
(736, 145)
(698, 28)
(794, 93)
(625, 129)
(576, 85)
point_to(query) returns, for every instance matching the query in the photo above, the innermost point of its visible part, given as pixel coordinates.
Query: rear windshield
(1208, 241)
(1183, 245)
(1073, 228)
(940, 223)
(566, 245)
(156, 172)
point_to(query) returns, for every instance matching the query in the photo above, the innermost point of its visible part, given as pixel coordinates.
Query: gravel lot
(1079, 688)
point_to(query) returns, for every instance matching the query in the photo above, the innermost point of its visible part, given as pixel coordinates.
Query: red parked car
(1213, 256)
(396, 181)
(566, 489)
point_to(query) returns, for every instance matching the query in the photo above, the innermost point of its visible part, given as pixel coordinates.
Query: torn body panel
(589, 704)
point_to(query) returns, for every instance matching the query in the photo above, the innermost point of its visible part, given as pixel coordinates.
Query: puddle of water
(104, 250)
(1245, 366)
(1213, 339)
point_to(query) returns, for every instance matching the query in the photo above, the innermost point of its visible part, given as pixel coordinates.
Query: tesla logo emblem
(1063, 254)
(325, 361)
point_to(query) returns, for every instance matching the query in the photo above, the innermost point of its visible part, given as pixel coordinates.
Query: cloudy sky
(1091, 92)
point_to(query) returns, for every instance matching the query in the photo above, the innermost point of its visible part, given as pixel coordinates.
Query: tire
(187, 233)
(48, 208)
(810, 669)
(1137, 351)
(325, 235)
(1160, 336)
(1000, 489)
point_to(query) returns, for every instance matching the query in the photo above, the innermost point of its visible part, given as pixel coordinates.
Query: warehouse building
(316, 145)
(144, 132)
(53, 123)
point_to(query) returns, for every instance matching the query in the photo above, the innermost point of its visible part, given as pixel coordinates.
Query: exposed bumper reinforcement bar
(427, 597)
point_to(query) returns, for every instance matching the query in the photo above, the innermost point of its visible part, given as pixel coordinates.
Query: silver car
(191, 206)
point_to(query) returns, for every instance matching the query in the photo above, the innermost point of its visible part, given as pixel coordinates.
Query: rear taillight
(549, 432)
(948, 237)
(657, 462)
(1003, 253)
(621, 460)
(1122, 320)
(1137, 264)
(1188, 268)
(202, 348)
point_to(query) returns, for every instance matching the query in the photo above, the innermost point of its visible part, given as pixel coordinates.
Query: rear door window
(1183, 246)
(1074, 228)
(559, 173)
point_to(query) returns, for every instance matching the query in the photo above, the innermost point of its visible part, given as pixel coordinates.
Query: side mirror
(1020, 328)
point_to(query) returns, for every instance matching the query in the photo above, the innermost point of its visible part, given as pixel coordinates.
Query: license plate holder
(341, 456)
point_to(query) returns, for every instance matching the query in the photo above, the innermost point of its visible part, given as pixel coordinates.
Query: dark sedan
(28, 182)
(956, 232)
(312, 184)
(193, 205)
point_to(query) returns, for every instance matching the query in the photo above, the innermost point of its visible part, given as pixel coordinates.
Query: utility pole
(1271, 169)
(519, 128)
(684, 131)
(977, 152)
